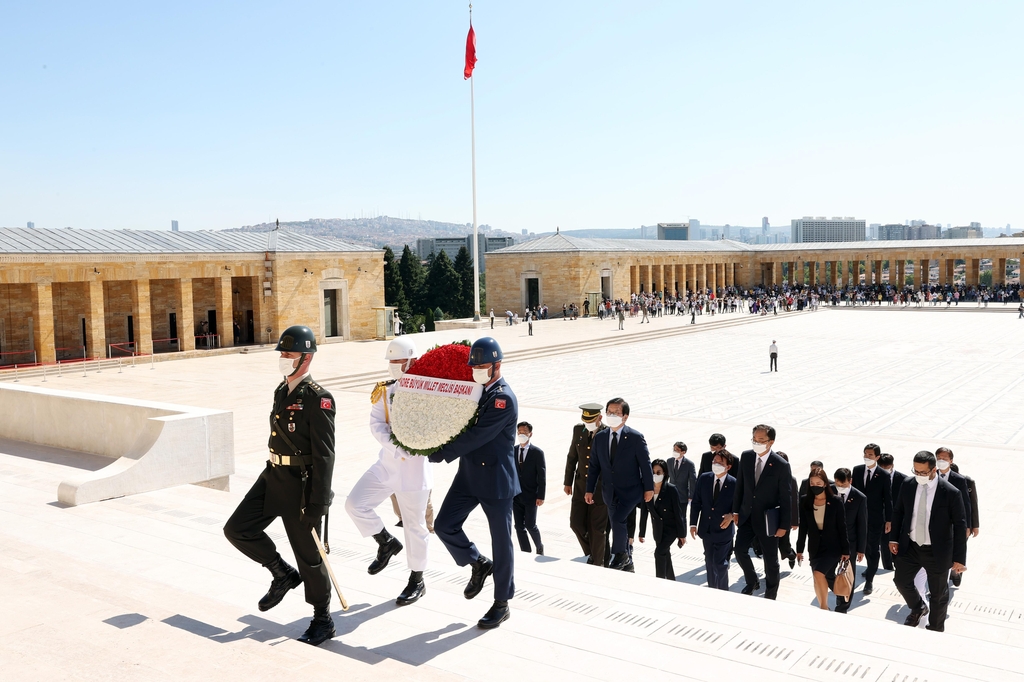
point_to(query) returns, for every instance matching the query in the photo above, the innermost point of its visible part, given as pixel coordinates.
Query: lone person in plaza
(773, 357)
(295, 485)
(406, 478)
(588, 521)
(486, 478)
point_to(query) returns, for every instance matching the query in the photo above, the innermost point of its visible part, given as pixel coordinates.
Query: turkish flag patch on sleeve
(499, 403)
(325, 404)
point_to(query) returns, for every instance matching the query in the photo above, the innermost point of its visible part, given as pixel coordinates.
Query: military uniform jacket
(577, 464)
(306, 417)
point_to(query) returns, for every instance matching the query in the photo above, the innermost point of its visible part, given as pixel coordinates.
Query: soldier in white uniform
(409, 477)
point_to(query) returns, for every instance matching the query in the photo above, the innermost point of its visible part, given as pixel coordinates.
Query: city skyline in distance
(587, 117)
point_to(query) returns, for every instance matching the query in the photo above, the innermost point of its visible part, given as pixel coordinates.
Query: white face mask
(481, 375)
(286, 366)
(760, 448)
(522, 438)
(842, 491)
(922, 480)
(868, 462)
(718, 469)
(658, 478)
(590, 426)
(395, 370)
(613, 420)
(942, 465)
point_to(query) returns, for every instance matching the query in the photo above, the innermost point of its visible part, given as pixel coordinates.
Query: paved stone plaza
(147, 587)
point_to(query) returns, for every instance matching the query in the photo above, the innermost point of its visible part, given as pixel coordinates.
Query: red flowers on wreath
(445, 362)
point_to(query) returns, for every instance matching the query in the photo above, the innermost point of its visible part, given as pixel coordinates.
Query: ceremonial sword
(330, 571)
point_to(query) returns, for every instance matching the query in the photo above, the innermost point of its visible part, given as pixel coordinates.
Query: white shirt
(773, 348)
(521, 456)
(295, 381)
(931, 486)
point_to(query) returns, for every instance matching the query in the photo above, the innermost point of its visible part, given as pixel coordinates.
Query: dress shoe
(628, 567)
(869, 587)
(792, 559)
(415, 589)
(482, 568)
(387, 547)
(285, 578)
(939, 629)
(915, 617)
(749, 589)
(842, 604)
(321, 628)
(956, 578)
(619, 561)
(495, 616)
(540, 550)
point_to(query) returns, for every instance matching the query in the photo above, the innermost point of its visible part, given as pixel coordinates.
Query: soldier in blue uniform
(486, 477)
(295, 485)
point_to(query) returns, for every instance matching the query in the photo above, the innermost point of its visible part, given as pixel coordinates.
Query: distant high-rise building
(821, 229)
(892, 232)
(694, 228)
(765, 227)
(674, 231)
(976, 226)
(524, 231)
(873, 230)
(963, 233)
(31, 225)
(174, 226)
(451, 246)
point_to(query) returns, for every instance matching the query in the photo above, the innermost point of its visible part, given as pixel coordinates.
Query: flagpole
(476, 240)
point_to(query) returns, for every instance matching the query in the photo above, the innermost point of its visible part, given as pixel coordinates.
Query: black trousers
(873, 552)
(887, 557)
(770, 553)
(246, 530)
(773, 362)
(590, 524)
(524, 515)
(664, 537)
(908, 563)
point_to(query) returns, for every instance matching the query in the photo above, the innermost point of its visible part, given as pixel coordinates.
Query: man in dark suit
(682, 474)
(717, 442)
(762, 508)
(622, 461)
(816, 464)
(888, 465)
(532, 477)
(855, 505)
(929, 531)
(588, 521)
(876, 486)
(948, 471)
(486, 478)
(711, 518)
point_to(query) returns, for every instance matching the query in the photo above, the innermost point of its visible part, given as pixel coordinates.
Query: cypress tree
(443, 284)
(394, 290)
(464, 267)
(413, 279)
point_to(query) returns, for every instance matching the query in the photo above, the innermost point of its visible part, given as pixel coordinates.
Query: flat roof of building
(23, 240)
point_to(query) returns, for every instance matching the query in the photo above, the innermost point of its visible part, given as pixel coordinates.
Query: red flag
(470, 53)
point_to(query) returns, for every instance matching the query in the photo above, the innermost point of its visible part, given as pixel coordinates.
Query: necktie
(867, 477)
(844, 498)
(922, 514)
(522, 455)
(757, 471)
(614, 447)
(718, 489)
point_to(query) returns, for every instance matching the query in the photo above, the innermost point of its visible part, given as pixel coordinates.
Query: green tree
(394, 291)
(464, 266)
(428, 322)
(413, 280)
(443, 285)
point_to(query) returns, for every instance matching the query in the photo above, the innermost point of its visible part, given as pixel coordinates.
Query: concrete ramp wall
(152, 445)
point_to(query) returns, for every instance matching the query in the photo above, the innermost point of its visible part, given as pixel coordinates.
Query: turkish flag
(470, 53)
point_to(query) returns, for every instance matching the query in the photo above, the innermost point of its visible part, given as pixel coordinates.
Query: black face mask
(817, 489)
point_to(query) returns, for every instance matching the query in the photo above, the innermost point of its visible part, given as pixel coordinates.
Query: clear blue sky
(220, 114)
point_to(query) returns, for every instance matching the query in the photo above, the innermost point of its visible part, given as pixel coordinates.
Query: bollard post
(98, 369)
(44, 373)
(119, 365)
(152, 359)
(15, 372)
(59, 375)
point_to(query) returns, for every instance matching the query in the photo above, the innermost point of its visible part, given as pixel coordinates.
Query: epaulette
(318, 389)
(379, 391)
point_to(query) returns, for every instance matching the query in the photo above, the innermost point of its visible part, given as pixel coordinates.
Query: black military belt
(290, 460)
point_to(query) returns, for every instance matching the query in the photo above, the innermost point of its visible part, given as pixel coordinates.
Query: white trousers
(921, 583)
(369, 492)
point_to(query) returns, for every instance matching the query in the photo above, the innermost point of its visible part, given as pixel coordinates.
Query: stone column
(998, 271)
(878, 272)
(973, 271)
(658, 278)
(143, 320)
(702, 277)
(186, 323)
(224, 304)
(691, 277)
(713, 278)
(867, 272)
(42, 323)
(776, 273)
(923, 276)
(649, 279)
(634, 278)
(95, 321)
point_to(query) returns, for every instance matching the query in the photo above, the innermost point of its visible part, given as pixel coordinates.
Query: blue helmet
(484, 351)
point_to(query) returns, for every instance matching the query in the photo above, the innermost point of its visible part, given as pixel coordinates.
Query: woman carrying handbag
(823, 528)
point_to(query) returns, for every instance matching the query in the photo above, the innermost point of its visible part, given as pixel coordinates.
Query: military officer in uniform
(295, 485)
(487, 478)
(588, 521)
(408, 477)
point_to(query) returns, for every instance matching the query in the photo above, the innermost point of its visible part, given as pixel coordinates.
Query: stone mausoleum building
(560, 269)
(68, 294)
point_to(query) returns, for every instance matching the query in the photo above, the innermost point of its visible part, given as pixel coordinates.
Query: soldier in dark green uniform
(295, 485)
(588, 521)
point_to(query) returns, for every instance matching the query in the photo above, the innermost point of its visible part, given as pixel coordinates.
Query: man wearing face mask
(716, 443)
(762, 508)
(532, 481)
(877, 487)
(486, 478)
(588, 521)
(408, 477)
(887, 463)
(855, 505)
(929, 531)
(711, 518)
(295, 485)
(944, 464)
(623, 463)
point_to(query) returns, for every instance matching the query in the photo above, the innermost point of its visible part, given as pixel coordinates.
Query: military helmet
(401, 348)
(297, 339)
(484, 351)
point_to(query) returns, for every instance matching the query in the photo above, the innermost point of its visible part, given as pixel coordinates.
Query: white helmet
(402, 348)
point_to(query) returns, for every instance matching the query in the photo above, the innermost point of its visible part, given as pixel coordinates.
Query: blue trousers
(457, 506)
(618, 513)
(716, 562)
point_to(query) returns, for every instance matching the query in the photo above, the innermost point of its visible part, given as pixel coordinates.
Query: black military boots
(321, 628)
(414, 590)
(387, 547)
(285, 578)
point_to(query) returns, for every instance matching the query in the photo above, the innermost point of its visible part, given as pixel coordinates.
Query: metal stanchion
(119, 365)
(16, 373)
(44, 374)
(98, 369)
(59, 375)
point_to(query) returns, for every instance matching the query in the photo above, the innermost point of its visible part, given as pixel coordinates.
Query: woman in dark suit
(823, 528)
(666, 512)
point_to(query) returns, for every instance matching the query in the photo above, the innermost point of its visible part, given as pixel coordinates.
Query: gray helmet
(297, 339)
